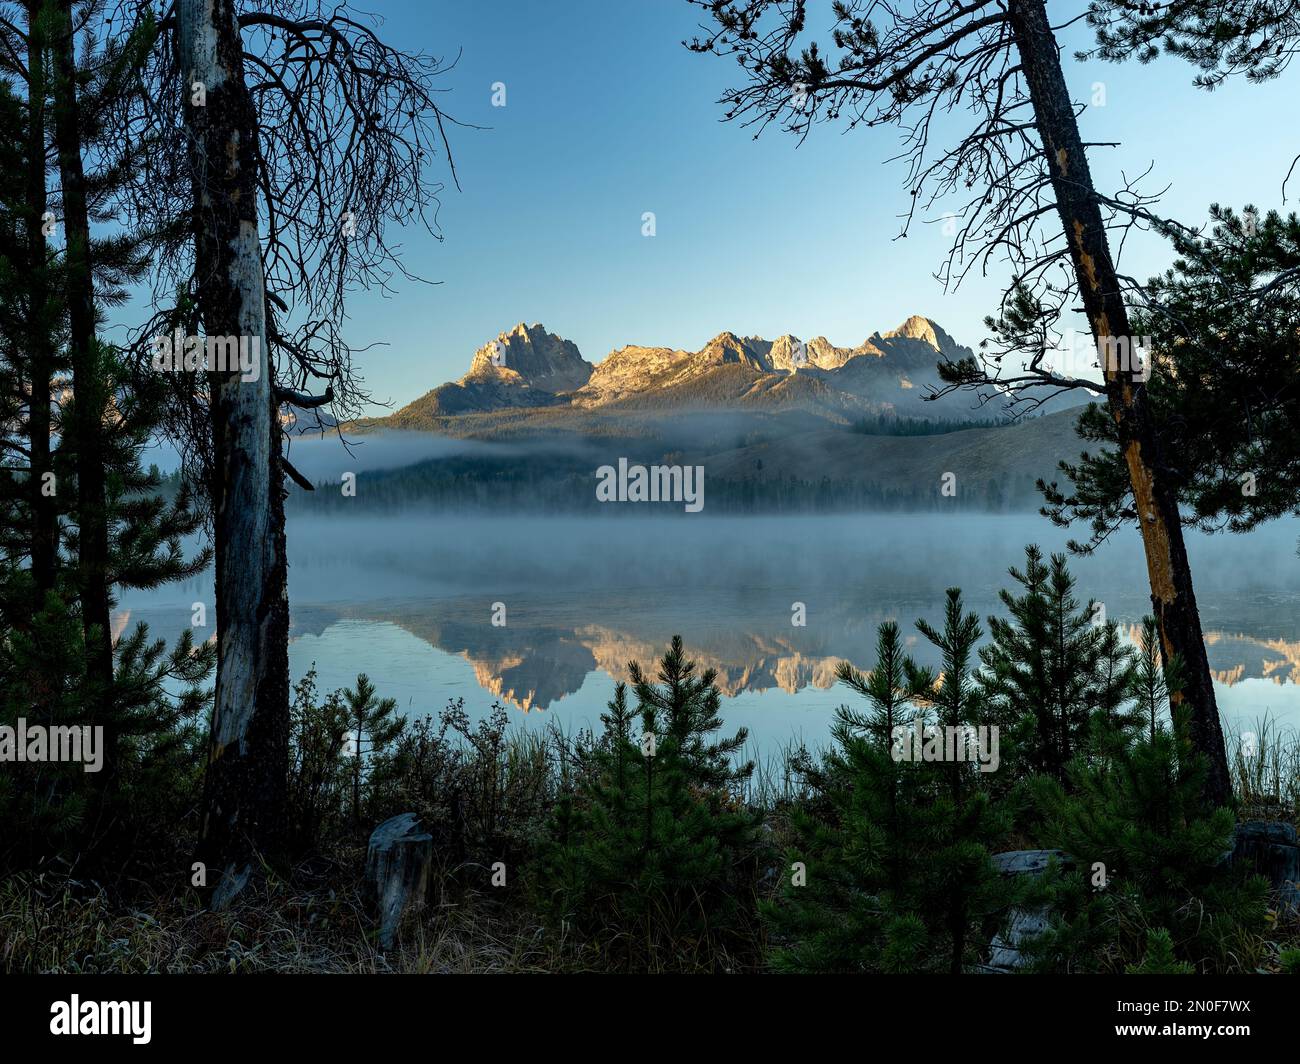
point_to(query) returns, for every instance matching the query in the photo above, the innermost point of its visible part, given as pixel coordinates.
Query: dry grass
(56, 925)
(1265, 762)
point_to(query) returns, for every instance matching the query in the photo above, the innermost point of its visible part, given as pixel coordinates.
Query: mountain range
(784, 424)
(528, 368)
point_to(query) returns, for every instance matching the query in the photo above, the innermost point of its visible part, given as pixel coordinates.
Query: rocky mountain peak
(923, 329)
(530, 355)
(727, 347)
(788, 352)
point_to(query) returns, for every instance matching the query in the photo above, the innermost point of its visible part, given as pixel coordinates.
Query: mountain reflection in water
(411, 601)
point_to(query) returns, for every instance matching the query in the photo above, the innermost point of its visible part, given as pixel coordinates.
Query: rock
(524, 368)
(1022, 924)
(230, 886)
(1027, 862)
(398, 861)
(1271, 848)
(529, 355)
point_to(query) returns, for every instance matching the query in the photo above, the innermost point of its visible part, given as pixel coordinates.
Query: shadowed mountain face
(527, 367)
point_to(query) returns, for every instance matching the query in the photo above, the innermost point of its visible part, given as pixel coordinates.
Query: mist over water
(409, 600)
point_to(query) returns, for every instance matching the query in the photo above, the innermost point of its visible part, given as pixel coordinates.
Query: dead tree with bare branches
(292, 138)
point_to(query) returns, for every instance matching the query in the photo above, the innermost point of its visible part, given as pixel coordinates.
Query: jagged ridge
(529, 367)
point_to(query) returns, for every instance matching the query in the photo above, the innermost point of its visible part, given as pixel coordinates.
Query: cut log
(398, 861)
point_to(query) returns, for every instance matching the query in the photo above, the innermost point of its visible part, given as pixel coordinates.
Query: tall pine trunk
(246, 780)
(1155, 497)
(89, 390)
(39, 336)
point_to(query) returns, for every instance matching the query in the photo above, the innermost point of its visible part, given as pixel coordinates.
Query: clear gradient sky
(608, 116)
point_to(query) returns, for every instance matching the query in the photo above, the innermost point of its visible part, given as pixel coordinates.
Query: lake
(411, 601)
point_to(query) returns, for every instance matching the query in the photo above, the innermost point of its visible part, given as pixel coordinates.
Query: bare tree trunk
(88, 387)
(40, 352)
(246, 780)
(1172, 598)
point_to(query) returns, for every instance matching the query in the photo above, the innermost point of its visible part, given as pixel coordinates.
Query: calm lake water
(410, 601)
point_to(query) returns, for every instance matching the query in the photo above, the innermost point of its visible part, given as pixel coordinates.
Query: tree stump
(398, 861)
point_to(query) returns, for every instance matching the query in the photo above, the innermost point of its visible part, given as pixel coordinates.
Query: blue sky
(608, 116)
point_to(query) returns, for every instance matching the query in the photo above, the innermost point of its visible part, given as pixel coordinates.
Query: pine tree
(42, 320)
(94, 521)
(127, 535)
(1114, 673)
(896, 850)
(593, 782)
(42, 805)
(374, 727)
(962, 821)
(656, 849)
(41, 662)
(1159, 958)
(1225, 382)
(1149, 854)
(686, 708)
(1001, 64)
(1253, 39)
(1050, 670)
(1150, 681)
(855, 844)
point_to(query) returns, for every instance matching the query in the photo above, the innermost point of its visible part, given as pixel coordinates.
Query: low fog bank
(794, 464)
(324, 458)
(334, 558)
(368, 558)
